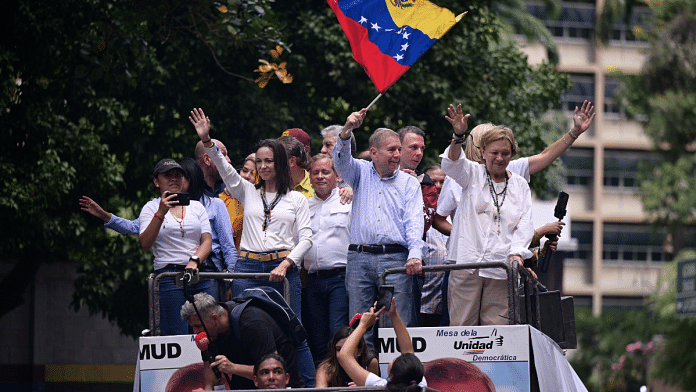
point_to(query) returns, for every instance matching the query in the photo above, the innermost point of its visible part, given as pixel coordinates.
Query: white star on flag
(362, 20)
(399, 57)
(406, 35)
(404, 46)
(375, 26)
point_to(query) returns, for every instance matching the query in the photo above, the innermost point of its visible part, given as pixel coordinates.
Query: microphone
(559, 212)
(202, 342)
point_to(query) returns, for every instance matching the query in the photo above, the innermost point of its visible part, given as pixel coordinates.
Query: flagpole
(373, 101)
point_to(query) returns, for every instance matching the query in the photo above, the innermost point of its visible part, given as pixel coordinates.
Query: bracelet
(206, 142)
(572, 134)
(159, 217)
(212, 144)
(456, 141)
(455, 136)
(567, 143)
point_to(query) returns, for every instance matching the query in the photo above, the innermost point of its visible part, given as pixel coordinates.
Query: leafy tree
(122, 76)
(93, 93)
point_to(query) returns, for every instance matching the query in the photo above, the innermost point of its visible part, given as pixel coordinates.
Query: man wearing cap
(387, 221)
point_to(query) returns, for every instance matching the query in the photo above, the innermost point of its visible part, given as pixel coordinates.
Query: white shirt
(170, 246)
(451, 192)
(475, 237)
(374, 380)
(330, 222)
(289, 217)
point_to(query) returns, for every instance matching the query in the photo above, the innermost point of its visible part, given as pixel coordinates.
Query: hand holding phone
(182, 198)
(384, 297)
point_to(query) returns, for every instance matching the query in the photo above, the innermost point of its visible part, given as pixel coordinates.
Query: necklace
(180, 222)
(497, 201)
(267, 208)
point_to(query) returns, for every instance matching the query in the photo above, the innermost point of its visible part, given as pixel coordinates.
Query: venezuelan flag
(388, 36)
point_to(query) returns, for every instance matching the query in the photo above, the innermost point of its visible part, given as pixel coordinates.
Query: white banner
(169, 363)
(499, 343)
(499, 355)
(168, 352)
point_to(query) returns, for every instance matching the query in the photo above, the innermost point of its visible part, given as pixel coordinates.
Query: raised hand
(370, 317)
(91, 206)
(201, 123)
(355, 119)
(458, 120)
(582, 119)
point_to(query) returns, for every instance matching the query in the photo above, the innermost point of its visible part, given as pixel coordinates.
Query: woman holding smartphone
(180, 238)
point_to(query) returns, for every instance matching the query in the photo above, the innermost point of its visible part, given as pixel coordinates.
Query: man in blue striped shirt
(387, 222)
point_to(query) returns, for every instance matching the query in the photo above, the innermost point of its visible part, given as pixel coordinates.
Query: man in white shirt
(326, 295)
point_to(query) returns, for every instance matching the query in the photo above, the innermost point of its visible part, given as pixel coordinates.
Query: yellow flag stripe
(423, 15)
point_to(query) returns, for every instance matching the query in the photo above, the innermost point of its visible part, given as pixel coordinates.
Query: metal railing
(530, 287)
(529, 302)
(154, 291)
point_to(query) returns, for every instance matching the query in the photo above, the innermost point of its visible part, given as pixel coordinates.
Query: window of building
(622, 303)
(612, 109)
(579, 165)
(622, 33)
(633, 243)
(583, 89)
(582, 232)
(621, 168)
(576, 22)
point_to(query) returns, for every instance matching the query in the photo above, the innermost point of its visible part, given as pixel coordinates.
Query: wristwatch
(196, 259)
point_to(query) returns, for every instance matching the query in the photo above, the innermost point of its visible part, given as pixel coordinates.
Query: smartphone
(182, 198)
(384, 297)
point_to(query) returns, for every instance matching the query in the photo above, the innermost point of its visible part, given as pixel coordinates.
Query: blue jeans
(327, 303)
(246, 265)
(445, 320)
(362, 282)
(172, 299)
(305, 364)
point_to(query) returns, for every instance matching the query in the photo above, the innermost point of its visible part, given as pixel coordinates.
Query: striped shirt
(385, 210)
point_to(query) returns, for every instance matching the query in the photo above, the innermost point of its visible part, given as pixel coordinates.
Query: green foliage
(667, 192)
(94, 92)
(677, 362)
(614, 350)
(601, 342)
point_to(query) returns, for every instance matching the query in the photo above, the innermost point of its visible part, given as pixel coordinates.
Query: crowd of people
(329, 225)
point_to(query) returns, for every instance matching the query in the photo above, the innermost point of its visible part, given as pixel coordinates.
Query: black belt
(386, 248)
(329, 273)
(207, 266)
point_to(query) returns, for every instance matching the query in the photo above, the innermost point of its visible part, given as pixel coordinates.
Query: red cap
(202, 341)
(298, 134)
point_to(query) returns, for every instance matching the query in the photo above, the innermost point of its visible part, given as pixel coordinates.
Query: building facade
(618, 257)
